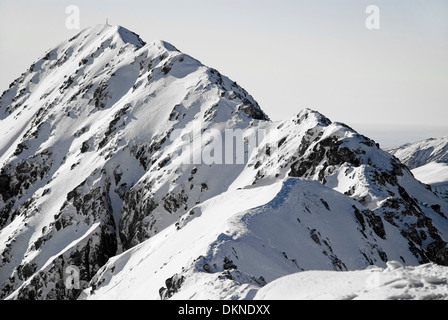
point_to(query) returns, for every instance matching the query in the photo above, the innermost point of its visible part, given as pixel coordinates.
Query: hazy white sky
(289, 54)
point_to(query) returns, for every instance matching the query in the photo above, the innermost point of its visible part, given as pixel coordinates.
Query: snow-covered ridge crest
(233, 244)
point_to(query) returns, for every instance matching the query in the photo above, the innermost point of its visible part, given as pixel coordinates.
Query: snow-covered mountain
(114, 164)
(428, 160)
(86, 132)
(317, 195)
(418, 154)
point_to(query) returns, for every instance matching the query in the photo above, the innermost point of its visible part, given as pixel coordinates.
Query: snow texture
(395, 282)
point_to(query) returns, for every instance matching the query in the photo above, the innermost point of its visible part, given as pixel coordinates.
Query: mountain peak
(114, 33)
(128, 36)
(120, 33)
(313, 115)
(163, 44)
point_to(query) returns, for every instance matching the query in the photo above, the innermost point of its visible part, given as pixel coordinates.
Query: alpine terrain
(129, 170)
(428, 160)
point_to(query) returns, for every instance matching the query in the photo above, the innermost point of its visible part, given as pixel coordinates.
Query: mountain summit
(141, 173)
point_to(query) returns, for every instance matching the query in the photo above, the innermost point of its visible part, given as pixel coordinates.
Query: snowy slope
(45, 116)
(432, 173)
(223, 250)
(232, 244)
(436, 175)
(396, 282)
(420, 153)
(94, 175)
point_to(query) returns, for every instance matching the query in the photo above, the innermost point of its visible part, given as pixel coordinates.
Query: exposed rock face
(173, 285)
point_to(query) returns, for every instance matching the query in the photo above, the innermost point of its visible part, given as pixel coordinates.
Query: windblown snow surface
(395, 282)
(111, 167)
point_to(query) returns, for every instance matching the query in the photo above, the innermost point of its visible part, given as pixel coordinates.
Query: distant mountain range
(428, 160)
(418, 154)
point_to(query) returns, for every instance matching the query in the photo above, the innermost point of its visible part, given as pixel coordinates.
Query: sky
(390, 84)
